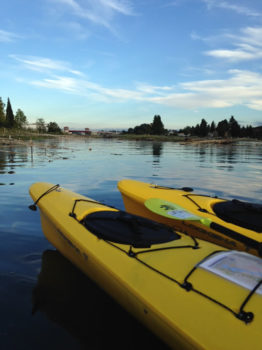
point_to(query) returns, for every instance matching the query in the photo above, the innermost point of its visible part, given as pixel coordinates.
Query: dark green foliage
(53, 127)
(187, 130)
(212, 127)
(157, 126)
(20, 119)
(234, 127)
(203, 128)
(143, 129)
(2, 113)
(40, 125)
(223, 128)
(10, 119)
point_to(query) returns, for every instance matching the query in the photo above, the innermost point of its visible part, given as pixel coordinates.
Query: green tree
(157, 126)
(203, 128)
(197, 130)
(10, 119)
(212, 127)
(53, 127)
(40, 125)
(223, 128)
(143, 129)
(187, 130)
(20, 119)
(234, 127)
(2, 113)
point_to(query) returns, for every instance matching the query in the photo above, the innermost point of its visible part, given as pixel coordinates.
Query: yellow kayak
(231, 224)
(191, 293)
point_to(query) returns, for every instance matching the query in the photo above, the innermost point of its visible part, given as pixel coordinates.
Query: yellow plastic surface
(135, 193)
(145, 285)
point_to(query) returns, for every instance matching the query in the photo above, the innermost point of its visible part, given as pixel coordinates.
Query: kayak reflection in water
(69, 298)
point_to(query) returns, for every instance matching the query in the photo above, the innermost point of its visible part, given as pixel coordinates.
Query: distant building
(32, 126)
(86, 131)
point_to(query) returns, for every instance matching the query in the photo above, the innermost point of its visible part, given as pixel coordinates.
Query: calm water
(44, 300)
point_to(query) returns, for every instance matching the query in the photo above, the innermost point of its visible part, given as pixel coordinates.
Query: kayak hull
(231, 236)
(148, 285)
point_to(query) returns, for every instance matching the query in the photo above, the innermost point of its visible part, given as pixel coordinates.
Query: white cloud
(42, 64)
(8, 36)
(237, 54)
(246, 46)
(150, 89)
(242, 10)
(122, 6)
(240, 88)
(61, 83)
(252, 35)
(100, 12)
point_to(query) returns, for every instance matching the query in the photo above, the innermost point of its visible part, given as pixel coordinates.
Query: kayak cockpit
(243, 214)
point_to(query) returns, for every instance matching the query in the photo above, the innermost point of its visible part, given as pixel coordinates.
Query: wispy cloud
(44, 65)
(226, 5)
(8, 36)
(87, 88)
(246, 46)
(240, 88)
(99, 12)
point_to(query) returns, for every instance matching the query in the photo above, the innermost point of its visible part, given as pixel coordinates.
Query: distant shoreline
(27, 138)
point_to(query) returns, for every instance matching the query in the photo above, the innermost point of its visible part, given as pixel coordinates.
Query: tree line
(154, 128)
(19, 120)
(224, 128)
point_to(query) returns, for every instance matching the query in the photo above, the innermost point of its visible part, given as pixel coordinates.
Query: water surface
(44, 301)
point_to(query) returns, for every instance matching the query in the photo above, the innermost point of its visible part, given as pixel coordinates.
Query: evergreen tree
(10, 119)
(234, 127)
(157, 126)
(249, 131)
(203, 128)
(2, 113)
(197, 130)
(212, 127)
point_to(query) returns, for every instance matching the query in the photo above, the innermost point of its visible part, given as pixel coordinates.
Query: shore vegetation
(16, 126)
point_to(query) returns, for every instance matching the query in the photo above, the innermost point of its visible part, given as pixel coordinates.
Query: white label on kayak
(180, 214)
(239, 267)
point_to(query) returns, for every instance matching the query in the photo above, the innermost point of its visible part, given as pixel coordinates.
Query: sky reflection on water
(93, 167)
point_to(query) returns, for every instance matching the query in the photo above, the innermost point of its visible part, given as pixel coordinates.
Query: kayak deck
(222, 232)
(165, 285)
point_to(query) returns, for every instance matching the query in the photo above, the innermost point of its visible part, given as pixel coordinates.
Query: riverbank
(10, 137)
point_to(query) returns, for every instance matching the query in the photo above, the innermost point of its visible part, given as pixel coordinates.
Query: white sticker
(239, 267)
(180, 214)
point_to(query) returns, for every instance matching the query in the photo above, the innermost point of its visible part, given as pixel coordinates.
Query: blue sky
(117, 63)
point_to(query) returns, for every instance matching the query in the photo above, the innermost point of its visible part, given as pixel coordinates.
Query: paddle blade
(173, 211)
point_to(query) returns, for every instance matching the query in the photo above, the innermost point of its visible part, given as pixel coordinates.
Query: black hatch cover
(124, 228)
